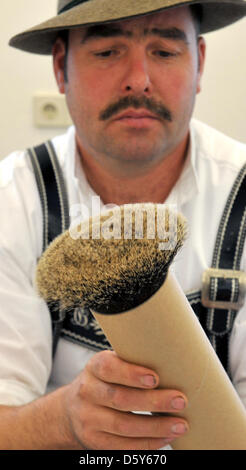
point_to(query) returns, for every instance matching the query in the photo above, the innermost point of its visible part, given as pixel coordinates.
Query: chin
(141, 156)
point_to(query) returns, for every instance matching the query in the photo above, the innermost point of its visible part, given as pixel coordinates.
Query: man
(130, 86)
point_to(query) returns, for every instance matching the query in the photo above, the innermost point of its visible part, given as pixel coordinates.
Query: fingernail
(178, 403)
(148, 380)
(179, 428)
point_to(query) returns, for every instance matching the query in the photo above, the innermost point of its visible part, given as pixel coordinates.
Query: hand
(100, 401)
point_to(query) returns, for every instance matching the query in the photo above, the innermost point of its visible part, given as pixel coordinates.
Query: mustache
(150, 104)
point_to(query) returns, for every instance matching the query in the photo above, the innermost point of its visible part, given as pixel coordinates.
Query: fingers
(103, 389)
(141, 426)
(132, 399)
(114, 430)
(102, 399)
(108, 367)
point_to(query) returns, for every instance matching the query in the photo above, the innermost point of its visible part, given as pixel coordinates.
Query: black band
(227, 255)
(71, 5)
(52, 191)
(232, 229)
(54, 201)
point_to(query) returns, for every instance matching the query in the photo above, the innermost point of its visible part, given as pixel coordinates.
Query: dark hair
(64, 36)
(197, 14)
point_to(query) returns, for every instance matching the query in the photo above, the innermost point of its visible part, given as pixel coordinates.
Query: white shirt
(26, 369)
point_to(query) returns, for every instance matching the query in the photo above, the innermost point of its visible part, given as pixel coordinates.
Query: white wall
(222, 102)
(22, 74)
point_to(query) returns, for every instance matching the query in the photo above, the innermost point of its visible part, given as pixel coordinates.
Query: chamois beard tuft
(110, 275)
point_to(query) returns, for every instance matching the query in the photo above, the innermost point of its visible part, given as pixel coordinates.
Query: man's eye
(105, 54)
(164, 54)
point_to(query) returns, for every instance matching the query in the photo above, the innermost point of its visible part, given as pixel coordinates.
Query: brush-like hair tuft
(110, 274)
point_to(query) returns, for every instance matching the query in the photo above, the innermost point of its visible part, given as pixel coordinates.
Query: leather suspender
(54, 201)
(52, 191)
(224, 285)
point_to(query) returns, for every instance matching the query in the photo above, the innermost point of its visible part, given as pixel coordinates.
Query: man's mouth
(134, 108)
(129, 114)
(141, 118)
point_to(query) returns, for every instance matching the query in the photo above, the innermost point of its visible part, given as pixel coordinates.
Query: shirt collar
(183, 191)
(187, 185)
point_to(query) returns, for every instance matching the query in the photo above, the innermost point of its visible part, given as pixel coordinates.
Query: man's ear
(201, 61)
(59, 65)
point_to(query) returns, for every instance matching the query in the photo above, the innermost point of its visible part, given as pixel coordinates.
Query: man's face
(131, 86)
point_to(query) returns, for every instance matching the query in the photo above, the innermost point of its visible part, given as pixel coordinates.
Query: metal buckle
(223, 274)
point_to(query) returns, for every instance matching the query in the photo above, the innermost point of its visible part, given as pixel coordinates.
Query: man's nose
(137, 77)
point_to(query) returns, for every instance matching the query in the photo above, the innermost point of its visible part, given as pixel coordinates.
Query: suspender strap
(224, 285)
(52, 191)
(54, 201)
(232, 230)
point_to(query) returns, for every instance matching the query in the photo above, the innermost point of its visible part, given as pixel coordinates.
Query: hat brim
(39, 39)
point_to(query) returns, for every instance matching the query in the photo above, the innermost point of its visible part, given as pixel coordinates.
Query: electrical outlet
(50, 110)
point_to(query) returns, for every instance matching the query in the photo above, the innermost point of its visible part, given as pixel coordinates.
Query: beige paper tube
(164, 334)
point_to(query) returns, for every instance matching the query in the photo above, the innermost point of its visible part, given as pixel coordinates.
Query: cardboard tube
(164, 334)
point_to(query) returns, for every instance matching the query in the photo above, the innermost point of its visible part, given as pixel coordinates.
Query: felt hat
(75, 13)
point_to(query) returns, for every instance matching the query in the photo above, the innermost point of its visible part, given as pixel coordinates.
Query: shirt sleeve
(25, 332)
